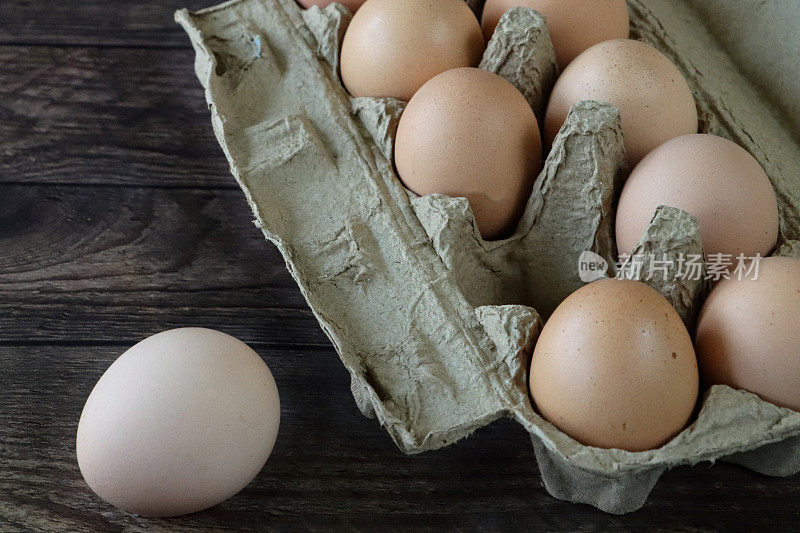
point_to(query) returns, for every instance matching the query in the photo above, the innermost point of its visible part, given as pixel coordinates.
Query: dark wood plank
(142, 23)
(105, 116)
(109, 264)
(333, 469)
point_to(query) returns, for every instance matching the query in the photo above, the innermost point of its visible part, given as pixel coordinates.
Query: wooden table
(118, 219)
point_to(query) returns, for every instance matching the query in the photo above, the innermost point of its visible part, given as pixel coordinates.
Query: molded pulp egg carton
(436, 325)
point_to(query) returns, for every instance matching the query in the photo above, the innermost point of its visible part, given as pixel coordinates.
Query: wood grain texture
(333, 469)
(112, 116)
(140, 23)
(111, 264)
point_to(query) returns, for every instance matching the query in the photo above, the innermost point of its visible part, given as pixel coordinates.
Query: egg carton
(435, 325)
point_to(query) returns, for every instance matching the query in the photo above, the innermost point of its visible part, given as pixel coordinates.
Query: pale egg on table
(180, 422)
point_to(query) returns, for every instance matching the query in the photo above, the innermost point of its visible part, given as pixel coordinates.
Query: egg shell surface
(180, 422)
(748, 333)
(614, 367)
(392, 47)
(709, 177)
(470, 133)
(654, 100)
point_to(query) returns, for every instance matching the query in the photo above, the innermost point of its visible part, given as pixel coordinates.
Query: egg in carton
(435, 325)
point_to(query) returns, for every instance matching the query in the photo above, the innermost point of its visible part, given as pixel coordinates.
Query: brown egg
(470, 133)
(393, 47)
(614, 367)
(351, 5)
(653, 99)
(748, 333)
(713, 179)
(574, 25)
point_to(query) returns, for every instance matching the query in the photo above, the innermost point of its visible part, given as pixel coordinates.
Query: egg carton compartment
(435, 325)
